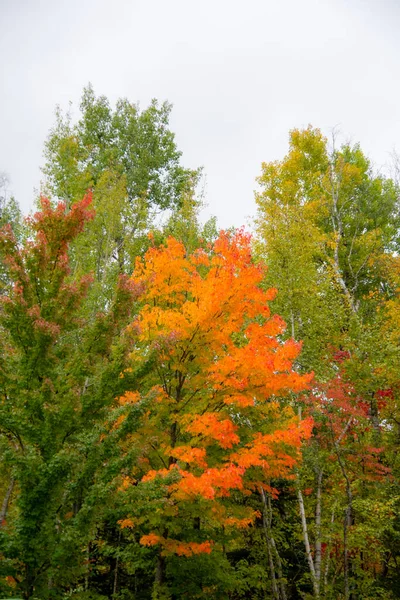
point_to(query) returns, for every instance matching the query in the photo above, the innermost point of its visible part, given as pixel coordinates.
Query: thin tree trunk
(120, 253)
(346, 524)
(337, 227)
(87, 567)
(279, 593)
(160, 570)
(115, 585)
(328, 549)
(318, 544)
(306, 540)
(282, 586)
(348, 519)
(6, 501)
(275, 591)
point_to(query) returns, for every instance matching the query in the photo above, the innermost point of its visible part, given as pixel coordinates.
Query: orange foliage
(124, 523)
(129, 398)
(11, 582)
(211, 483)
(118, 421)
(150, 540)
(190, 455)
(214, 421)
(171, 546)
(126, 483)
(212, 426)
(241, 523)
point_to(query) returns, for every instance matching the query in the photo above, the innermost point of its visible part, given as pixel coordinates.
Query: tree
(130, 160)
(212, 374)
(10, 212)
(325, 221)
(55, 385)
(328, 227)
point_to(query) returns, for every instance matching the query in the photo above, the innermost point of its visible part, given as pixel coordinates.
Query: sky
(240, 76)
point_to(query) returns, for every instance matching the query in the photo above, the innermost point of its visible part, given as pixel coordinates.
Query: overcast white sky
(239, 74)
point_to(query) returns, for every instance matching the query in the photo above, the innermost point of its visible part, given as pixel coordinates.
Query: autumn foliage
(163, 434)
(213, 423)
(41, 294)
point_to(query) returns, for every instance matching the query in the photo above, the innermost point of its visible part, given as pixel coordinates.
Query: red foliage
(41, 298)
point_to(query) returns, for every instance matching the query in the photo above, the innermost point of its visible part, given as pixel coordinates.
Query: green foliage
(130, 161)
(78, 490)
(328, 227)
(56, 370)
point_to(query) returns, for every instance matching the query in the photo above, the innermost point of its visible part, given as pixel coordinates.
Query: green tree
(325, 222)
(58, 373)
(130, 160)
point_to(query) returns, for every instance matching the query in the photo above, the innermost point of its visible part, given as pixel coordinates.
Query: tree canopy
(189, 413)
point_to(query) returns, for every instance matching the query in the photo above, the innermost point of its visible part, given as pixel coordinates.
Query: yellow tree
(327, 226)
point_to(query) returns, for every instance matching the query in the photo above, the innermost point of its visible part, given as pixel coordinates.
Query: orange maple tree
(212, 373)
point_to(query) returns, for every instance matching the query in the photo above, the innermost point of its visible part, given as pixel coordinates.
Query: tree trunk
(318, 544)
(6, 501)
(306, 540)
(28, 583)
(328, 550)
(87, 567)
(115, 584)
(160, 570)
(337, 227)
(348, 519)
(282, 586)
(346, 561)
(278, 588)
